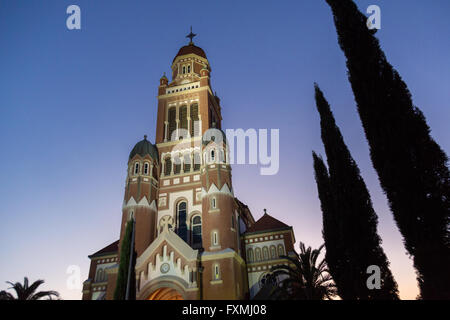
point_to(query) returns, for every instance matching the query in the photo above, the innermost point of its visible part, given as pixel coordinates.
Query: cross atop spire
(191, 36)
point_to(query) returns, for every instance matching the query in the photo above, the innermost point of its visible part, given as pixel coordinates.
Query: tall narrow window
(181, 217)
(233, 223)
(258, 254)
(168, 167)
(184, 69)
(216, 272)
(146, 168)
(177, 162)
(172, 123)
(136, 168)
(213, 156)
(265, 253)
(273, 252)
(99, 277)
(213, 203)
(215, 238)
(196, 232)
(197, 161)
(195, 124)
(280, 250)
(250, 257)
(187, 162)
(189, 69)
(183, 119)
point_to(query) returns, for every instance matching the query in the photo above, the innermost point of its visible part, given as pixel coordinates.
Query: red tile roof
(110, 249)
(267, 222)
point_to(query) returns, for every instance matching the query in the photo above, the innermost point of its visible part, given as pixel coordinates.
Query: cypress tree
(350, 220)
(334, 254)
(122, 277)
(412, 168)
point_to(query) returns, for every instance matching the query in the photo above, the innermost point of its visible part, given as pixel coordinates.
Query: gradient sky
(74, 103)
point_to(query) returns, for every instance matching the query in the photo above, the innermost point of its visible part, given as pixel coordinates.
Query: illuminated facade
(193, 238)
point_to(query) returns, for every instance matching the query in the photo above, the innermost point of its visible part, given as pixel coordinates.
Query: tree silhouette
(27, 292)
(411, 166)
(351, 239)
(305, 280)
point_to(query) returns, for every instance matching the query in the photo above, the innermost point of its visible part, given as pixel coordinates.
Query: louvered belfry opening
(172, 116)
(195, 126)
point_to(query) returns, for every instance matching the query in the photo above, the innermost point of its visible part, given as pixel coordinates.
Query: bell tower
(195, 193)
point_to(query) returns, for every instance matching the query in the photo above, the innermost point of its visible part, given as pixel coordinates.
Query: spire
(191, 36)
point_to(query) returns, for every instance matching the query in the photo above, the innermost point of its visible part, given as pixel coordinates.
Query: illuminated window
(216, 272)
(215, 238)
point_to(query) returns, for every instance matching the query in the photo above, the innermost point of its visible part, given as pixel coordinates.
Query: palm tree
(26, 292)
(306, 280)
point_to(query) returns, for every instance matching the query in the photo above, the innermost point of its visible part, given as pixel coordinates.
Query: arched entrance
(165, 294)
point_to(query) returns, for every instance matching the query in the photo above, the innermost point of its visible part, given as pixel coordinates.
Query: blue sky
(74, 103)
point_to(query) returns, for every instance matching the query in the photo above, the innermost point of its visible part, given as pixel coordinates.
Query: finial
(265, 211)
(145, 137)
(191, 36)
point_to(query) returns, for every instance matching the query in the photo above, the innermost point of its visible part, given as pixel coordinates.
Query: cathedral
(194, 240)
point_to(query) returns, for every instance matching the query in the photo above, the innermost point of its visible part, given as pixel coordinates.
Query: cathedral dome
(190, 48)
(144, 148)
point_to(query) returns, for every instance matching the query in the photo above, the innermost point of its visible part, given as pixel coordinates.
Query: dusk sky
(74, 103)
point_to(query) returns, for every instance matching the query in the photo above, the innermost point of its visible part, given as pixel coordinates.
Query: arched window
(212, 157)
(273, 252)
(197, 161)
(265, 253)
(280, 250)
(250, 257)
(184, 69)
(258, 254)
(196, 226)
(189, 69)
(172, 122)
(213, 203)
(168, 166)
(146, 166)
(222, 156)
(99, 277)
(195, 124)
(181, 220)
(267, 278)
(136, 168)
